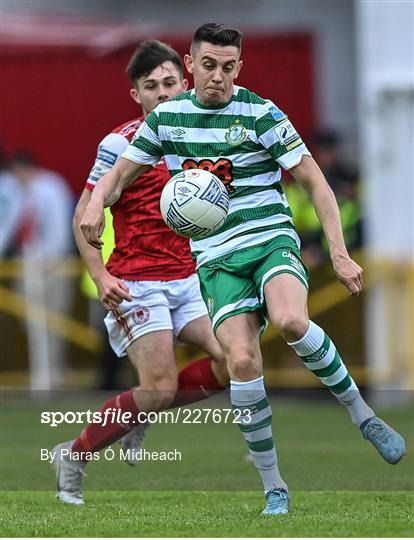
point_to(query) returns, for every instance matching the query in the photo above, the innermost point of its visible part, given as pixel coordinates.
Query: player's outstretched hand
(112, 291)
(349, 273)
(93, 225)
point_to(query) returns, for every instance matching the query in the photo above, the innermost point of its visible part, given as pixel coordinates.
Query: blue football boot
(277, 502)
(389, 443)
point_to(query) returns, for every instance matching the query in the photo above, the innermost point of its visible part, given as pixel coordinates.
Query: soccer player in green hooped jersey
(251, 267)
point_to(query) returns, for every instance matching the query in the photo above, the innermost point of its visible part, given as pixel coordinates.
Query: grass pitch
(339, 485)
(217, 514)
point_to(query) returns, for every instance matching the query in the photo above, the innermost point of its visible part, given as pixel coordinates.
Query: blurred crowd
(36, 208)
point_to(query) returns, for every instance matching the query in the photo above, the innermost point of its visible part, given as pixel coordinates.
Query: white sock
(256, 428)
(354, 402)
(320, 356)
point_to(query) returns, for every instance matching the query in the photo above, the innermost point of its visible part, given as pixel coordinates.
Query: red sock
(196, 382)
(97, 436)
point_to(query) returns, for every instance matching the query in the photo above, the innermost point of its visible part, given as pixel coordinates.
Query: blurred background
(341, 69)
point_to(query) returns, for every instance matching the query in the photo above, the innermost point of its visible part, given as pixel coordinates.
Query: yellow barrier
(81, 335)
(320, 301)
(68, 267)
(65, 327)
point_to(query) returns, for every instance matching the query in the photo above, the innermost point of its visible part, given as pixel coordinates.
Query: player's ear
(238, 68)
(189, 64)
(135, 96)
(185, 84)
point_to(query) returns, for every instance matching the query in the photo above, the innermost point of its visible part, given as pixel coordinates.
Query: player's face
(214, 69)
(163, 83)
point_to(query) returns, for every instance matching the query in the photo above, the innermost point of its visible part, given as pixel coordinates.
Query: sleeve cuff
(294, 157)
(135, 155)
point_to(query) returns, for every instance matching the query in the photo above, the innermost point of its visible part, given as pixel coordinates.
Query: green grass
(221, 514)
(339, 485)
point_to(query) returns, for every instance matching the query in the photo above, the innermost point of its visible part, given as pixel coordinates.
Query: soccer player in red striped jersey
(148, 286)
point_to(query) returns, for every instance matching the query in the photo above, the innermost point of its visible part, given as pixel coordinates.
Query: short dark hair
(149, 55)
(217, 34)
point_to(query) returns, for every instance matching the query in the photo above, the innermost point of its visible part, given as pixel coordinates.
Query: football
(194, 203)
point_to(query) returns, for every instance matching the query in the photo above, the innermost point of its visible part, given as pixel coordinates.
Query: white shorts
(156, 305)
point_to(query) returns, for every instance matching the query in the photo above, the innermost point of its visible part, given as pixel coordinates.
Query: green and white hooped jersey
(244, 143)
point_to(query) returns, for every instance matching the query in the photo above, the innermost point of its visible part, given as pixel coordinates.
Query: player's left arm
(310, 177)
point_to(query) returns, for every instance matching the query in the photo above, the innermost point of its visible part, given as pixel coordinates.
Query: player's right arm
(107, 191)
(142, 154)
(111, 290)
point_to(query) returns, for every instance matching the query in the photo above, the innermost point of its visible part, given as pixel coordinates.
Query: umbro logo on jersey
(178, 133)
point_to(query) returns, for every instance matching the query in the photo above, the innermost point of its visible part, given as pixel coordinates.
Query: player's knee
(162, 398)
(244, 366)
(292, 326)
(165, 398)
(162, 388)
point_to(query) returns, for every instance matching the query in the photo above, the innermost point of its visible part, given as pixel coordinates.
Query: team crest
(141, 315)
(236, 134)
